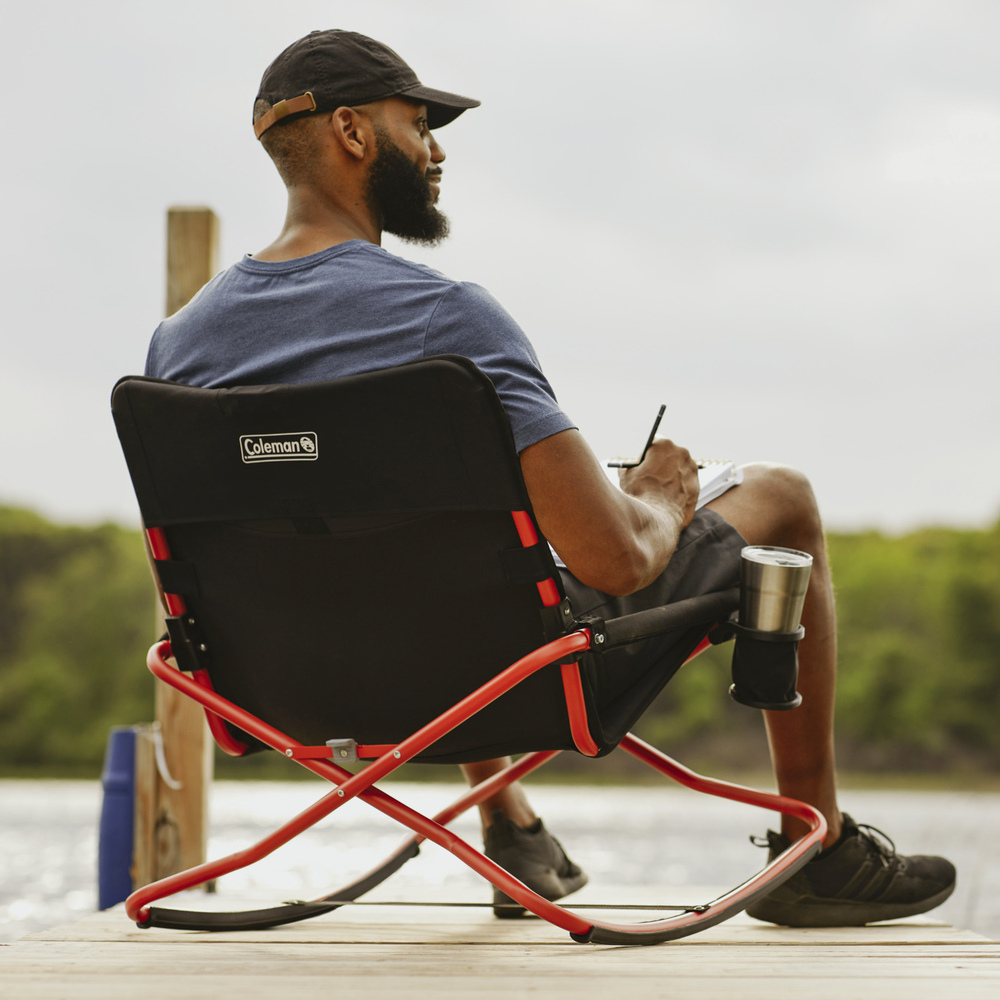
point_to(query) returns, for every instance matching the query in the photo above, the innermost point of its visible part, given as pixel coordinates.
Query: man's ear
(353, 132)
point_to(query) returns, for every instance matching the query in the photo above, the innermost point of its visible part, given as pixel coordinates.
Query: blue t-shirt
(349, 309)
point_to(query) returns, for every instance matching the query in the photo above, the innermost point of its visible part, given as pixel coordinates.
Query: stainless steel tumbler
(773, 583)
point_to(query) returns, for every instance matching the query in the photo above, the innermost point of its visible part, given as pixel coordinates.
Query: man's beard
(402, 197)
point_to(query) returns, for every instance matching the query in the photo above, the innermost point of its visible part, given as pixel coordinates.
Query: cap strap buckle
(305, 102)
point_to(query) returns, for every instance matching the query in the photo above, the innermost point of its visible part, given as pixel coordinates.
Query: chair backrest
(349, 552)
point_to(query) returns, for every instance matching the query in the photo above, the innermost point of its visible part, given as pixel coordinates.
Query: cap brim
(442, 107)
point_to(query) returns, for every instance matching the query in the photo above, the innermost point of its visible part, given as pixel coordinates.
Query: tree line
(919, 634)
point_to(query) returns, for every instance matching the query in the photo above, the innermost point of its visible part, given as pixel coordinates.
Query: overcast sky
(780, 218)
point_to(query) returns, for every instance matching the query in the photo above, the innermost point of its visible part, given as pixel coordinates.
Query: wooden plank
(394, 950)
(207, 968)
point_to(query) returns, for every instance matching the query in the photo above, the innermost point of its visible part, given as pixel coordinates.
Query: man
(350, 130)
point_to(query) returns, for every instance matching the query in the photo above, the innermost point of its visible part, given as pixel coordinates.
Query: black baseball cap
(330, 69)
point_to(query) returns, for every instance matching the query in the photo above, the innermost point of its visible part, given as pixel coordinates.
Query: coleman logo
(300, 446)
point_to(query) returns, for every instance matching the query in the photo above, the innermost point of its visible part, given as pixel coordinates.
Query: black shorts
(625, 681)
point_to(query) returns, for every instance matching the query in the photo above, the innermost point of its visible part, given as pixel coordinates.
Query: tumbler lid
(774, 555)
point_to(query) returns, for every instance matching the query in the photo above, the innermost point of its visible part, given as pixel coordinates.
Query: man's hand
(667, 478)
(613, 541)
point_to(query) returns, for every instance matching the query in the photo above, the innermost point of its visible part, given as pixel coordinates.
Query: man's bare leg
(511, 801)
(775, 506)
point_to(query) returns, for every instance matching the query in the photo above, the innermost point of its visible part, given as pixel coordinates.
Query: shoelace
(881, 841)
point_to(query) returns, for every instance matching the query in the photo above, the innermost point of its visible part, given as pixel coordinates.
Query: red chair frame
(388, 758)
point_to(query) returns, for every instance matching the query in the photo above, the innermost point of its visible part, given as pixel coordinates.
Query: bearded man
(350, 129)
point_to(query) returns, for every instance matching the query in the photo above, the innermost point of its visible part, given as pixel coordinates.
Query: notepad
(714, 478)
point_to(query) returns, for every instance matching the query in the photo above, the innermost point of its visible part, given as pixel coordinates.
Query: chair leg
(349, 786)
(737, 900)
(138, 908)
(677, 926)
(362, 786)
(580, 928)
(686, 922)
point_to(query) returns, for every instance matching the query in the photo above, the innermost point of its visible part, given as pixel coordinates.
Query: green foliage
(76, 617)
(919, 630)
(919, 676)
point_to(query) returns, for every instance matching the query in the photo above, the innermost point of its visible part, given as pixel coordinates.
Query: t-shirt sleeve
(469, 322)
(152, 368)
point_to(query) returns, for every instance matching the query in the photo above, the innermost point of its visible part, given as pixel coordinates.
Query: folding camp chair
(353, 573)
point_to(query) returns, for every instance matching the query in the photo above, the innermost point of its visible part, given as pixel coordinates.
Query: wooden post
(146, 781)
(192, 253)
(171, 827)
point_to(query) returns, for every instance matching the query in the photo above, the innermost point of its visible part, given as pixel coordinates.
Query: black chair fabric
(358, 588)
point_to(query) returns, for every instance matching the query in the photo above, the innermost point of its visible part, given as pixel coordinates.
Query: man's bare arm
(618, 542)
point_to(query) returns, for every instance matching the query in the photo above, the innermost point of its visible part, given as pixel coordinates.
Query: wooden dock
(400, 951)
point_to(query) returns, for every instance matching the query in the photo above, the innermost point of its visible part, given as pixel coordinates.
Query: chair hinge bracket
(187, 643)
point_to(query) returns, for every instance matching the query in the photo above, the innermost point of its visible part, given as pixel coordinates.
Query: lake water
(622, 836)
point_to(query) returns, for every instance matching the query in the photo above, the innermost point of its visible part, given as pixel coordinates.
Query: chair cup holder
(766, 668)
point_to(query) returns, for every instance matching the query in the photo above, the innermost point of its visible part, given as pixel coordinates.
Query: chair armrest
(706, 609)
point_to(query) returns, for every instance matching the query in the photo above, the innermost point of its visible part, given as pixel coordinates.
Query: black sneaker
(534, 857)
(858, 880)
